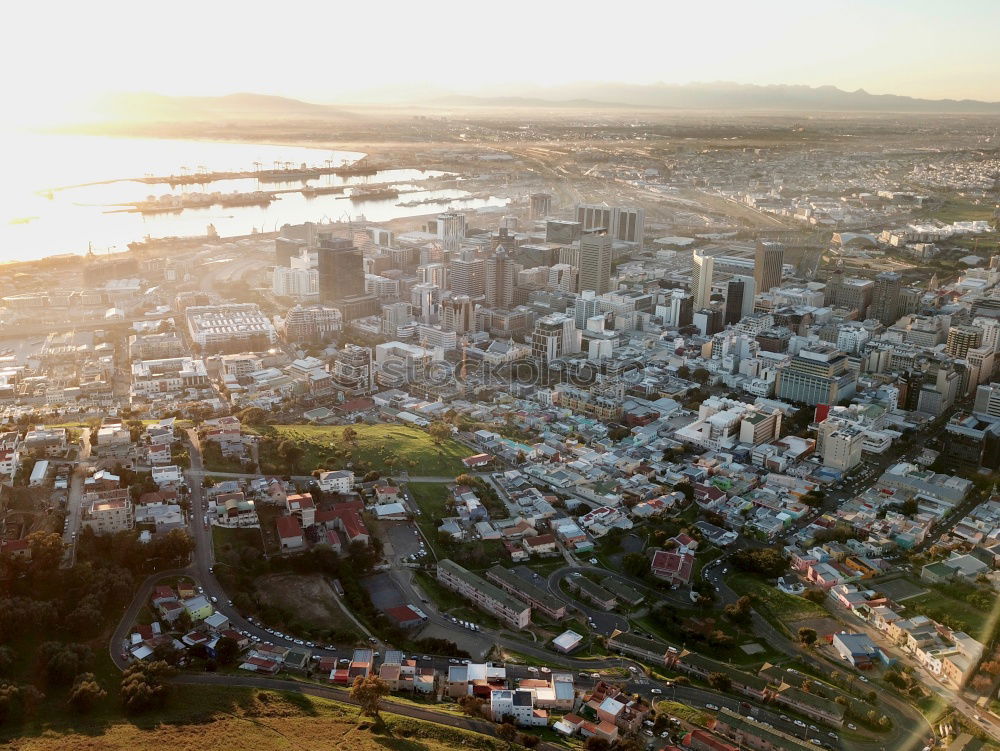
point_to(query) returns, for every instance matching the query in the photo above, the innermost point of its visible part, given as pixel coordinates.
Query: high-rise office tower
(451, 229)
(739, 299)
(433, 273)
(541, 206)
(562, 232)
(679, 309)
(422, 300)
(595, 263)
(963, 338)
(701, 284)
(466, 275)
(341, 270)
(769, 258)
(554, 336)
(847, 292)
(585, 307)
(885, 297)
(625, 224)
(458, 314)
(500, 280)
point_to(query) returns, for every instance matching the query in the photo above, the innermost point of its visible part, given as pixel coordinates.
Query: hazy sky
(57, 51)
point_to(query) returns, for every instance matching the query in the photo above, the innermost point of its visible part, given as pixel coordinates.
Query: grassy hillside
(233, 718)
(380, 447)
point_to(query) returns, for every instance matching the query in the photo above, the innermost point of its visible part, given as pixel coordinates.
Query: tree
(720, 681)
(982, 683)
(908, 507)
(46, 550)
(739, 611)
(471, 705)
(143, 686)
(350, 435)
(507, 732)
(686, 489)
(368, 692)
(683, 372)
(596, 743)
(634, 564)
(439, 431)
(227, 650)
(807, 635)
(701, 375)
(86, 692)
(465, 479)
(530, 741)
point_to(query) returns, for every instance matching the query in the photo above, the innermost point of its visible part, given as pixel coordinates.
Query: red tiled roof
(288, 526)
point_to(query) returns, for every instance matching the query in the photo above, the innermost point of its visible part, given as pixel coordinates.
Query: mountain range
(721, 96)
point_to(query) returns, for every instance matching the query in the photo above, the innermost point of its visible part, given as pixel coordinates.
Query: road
(905, 723)
(910, 728)
(74, 499)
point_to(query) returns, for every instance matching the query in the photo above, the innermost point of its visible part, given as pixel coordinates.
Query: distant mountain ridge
(149, 107)
(732, 96)
(146, 106)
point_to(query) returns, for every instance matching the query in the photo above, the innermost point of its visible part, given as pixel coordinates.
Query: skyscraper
(817, 375)
(701, 283)
(341, 270)
(458, 314)
(466, 275)
(963, 338)
(623, 223)
(769, 258)
(586, 306)
(595, 263)
(739, 299)
(500, 280)
(885, 297)
(451, 229)
(541, 205)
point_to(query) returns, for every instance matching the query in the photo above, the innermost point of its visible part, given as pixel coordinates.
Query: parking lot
(405, 540)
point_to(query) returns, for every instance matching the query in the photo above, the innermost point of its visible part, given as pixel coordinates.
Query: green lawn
(383, 448)
(958, 209)
(224, 538)
(957, 613)
(773, 602)
(431, 497)
(214, 461)
(452, 603)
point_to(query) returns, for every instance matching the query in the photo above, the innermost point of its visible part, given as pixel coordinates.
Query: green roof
(751, 727)
(591, 589)
(736, 675)
(629, 594)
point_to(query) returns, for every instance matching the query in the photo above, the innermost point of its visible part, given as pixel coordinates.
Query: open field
(952, 611)
(431, 497)
(235, 538)
(309, 598)
(383, 448)
(240, 718)
(900, 588)
(775, 603)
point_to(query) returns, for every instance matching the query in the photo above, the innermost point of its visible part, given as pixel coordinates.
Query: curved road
(901, 737)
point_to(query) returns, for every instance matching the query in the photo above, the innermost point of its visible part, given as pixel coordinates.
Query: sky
(58, 52)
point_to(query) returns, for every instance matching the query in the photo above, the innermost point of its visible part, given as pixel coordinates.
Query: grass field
(431, 497)
(773, 602)
(939, 606)
(383, 448)
(226, 538)
(199, 718)
(957, 209)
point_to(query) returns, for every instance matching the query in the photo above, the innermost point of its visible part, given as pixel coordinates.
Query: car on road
(344, 661)
(299, 642)
(813, 727)
(656, 691)
(799, 723)
(648, 732)
(633, 669)
(214, 598)
(832, 735)
(593, 561)
(425, 657)
(595, 676)
(452, 661)
(851, 726)
(711, 706)
(862, 679)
